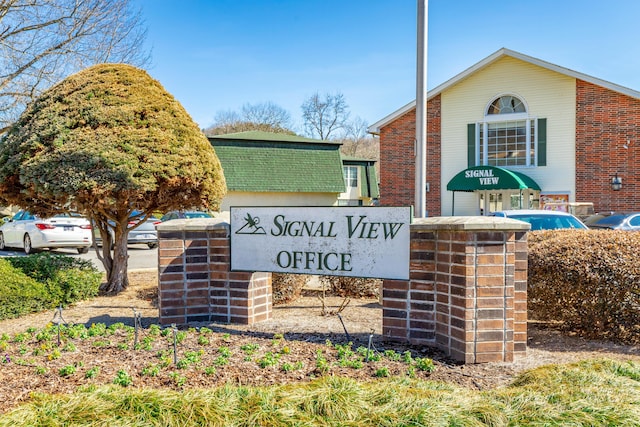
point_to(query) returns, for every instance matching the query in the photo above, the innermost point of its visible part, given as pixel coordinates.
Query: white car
(28, 232)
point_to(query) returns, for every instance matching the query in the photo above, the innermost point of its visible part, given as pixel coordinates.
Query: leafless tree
(325, 116)
(43, 41)
(267, 113)
(267, 117)
(354, 136)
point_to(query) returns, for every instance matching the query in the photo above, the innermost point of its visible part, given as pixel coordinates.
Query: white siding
(547, 94)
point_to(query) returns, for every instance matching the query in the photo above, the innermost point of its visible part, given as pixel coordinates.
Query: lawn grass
(588, 393)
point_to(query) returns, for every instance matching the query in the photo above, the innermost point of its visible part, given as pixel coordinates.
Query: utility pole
(421, 112)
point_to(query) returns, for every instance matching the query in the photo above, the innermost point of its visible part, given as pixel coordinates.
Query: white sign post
(333, 241)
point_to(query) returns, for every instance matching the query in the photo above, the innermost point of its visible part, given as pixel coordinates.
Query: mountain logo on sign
(251, 226)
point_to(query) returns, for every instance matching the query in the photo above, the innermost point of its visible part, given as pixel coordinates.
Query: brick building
(511, 132)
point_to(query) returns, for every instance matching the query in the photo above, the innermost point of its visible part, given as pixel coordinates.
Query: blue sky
(217, 55)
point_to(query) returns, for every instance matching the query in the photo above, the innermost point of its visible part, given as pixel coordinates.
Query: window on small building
(350, 176)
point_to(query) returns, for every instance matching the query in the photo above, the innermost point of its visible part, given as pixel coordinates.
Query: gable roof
(375, 128)
(268, 162)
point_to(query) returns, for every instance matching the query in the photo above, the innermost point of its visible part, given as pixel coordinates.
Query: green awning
(490, 178)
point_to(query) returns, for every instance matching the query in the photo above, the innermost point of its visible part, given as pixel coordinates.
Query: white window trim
(507, 118)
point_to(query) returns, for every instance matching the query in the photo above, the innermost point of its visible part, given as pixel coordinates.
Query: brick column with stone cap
(467, 292)
(195, 281)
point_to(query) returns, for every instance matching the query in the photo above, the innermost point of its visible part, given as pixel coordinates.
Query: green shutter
(471, 144)
(542, 142)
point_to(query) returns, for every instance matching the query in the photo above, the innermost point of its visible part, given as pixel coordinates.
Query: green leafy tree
(109, 142)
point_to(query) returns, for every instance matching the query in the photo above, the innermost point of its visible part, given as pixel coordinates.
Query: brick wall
(605, 120)
(397, 160)
(467, 292)
(195, 282)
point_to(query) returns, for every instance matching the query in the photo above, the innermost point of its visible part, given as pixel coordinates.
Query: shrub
(354, 287)
(588, 280)
(19, 293)
(67, 279)
(287, 287)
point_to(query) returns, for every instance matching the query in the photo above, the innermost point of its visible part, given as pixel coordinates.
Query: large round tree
(109, 142)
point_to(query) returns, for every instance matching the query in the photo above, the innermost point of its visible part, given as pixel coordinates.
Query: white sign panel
(334, 241)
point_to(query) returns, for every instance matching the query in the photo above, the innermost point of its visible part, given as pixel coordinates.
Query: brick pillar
(195, 282)
(467, 292)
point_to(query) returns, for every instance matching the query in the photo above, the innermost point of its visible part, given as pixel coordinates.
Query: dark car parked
(627, 222)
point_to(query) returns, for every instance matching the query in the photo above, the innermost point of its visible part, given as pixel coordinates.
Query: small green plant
(41, 370)
(123, 346)
(210, 370)
(154, 330)
(224, 351)
(97, 330)
(44, 335)
(392, 355)
(145, 344)
(288, 367)
(269, 359)
(123, 379)
(178, 380)
(77, 332)
(425, 364)
(406, 357)
(151, 370)
(69, 347)
(190, 358)
(411, 371)
(368, 355)
(322, 365)
(67, 370)
(221, 361)
(92, 373)
(249, 348)
(55, 354)
(22, 337)
(203, 340)
(382, 372)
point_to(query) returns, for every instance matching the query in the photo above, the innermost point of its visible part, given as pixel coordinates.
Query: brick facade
(467, 292)
(397, 160)
(196, 284)
(605, 121)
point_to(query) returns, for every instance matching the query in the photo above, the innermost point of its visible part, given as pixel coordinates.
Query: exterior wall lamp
(616, 183)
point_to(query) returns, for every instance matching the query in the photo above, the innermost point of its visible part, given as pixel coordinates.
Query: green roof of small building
(271, 162)
(255, 135)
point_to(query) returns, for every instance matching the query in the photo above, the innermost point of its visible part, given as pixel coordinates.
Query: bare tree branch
(323, 117)
(43, 41)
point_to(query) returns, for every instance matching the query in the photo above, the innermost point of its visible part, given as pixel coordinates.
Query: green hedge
(19, 293)
(59, 280)
(588, 280)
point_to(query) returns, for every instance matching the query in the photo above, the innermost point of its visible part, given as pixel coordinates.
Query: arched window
(508, 135)
(507, 104)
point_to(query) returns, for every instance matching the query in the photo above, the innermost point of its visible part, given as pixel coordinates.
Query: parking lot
(140, 256)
